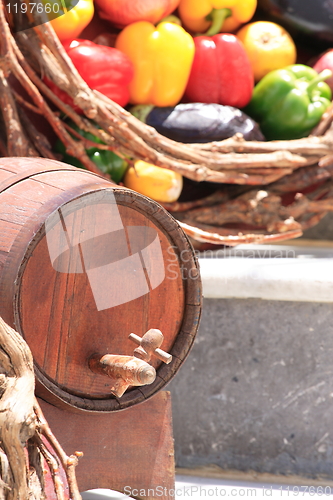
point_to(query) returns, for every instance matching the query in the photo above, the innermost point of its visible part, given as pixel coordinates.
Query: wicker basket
(265, 191)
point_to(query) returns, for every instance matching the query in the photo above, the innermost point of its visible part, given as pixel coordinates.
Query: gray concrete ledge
(256, 392)
(269, 272)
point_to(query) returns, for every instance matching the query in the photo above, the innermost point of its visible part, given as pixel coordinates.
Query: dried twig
(215, 236)
(225, 162)
(279, 168)
(21, 426)
(68, 462)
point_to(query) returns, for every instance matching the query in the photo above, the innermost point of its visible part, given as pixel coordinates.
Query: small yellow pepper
(211, 16)
(158, 183)
(162, 57)
(72, 22)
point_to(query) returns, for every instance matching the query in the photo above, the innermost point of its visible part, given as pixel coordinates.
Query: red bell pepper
(221, 72)
(105, 69)
(121, 13)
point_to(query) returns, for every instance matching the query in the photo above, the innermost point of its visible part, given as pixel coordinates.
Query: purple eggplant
(198, 122)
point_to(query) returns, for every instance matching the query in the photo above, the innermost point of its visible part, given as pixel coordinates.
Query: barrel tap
(125, 371)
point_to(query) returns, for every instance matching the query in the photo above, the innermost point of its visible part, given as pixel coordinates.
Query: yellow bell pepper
(158, 183)
(72, 22)
(162, 57)
(211, 16)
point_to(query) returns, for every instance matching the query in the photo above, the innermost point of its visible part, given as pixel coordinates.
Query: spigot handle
(149, 345)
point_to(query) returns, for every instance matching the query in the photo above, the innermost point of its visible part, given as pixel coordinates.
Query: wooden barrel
(83, 264)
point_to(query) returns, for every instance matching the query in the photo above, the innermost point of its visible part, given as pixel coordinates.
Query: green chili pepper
(288, 103)
(107, 161)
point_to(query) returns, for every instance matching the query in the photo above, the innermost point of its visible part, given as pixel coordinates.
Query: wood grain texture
(18, 230)
(131, 448)
(71, 325)
(71, 329)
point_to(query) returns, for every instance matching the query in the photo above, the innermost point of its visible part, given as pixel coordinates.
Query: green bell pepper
(288, 103)
(107, 161)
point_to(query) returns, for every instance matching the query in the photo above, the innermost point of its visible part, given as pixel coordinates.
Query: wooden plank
(15, 210)
(66, 180)
(8, 233)
(4, 175)
(32, 189)
(132, 448)
(20, 166)
(3, 257)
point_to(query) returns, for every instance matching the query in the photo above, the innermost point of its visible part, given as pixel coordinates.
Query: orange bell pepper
(73, 20)
(209, 17)
(162, 57)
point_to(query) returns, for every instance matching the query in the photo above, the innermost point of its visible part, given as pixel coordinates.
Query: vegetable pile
(217, 96)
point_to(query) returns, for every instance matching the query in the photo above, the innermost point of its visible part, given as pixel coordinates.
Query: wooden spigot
(125, 371)
(149, 345)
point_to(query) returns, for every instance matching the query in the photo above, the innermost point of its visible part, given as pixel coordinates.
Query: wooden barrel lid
(91, 263)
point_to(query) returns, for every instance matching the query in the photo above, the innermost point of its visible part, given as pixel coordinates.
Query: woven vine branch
(30, 55)
(25, 436)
